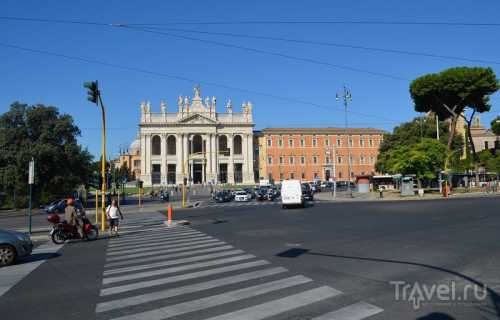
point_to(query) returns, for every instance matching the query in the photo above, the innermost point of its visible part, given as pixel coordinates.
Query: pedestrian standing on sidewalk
(113, 213)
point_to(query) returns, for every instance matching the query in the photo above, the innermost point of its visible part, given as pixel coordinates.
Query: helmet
(70, 201)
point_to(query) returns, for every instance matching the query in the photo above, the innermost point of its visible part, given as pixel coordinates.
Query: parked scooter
(62, 231)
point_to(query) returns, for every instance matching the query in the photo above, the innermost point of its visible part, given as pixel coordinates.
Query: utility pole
(31, 180)
(94, 95)
(437, 127)
(347, 97)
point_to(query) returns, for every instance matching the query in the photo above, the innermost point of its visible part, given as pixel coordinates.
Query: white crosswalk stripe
(217, 300)
(145, 270)
(357, 311)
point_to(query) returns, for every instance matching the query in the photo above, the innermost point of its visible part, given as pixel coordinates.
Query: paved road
(327, 261)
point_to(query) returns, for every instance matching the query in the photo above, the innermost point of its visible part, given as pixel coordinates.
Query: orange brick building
(317, 153)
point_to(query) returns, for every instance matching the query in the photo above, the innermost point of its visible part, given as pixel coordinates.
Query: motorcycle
(62, 231)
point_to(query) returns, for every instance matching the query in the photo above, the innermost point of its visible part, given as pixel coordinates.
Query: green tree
(495, 126)
(50, 138)
(423, 159)
(452, 91)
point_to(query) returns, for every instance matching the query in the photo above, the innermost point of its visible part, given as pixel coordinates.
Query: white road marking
(11, 275)
(165, 245)
(173, 262)
(161, 244)
(167, 256)
(182, 277)
(148, 235)
(191, 288)
(154, 253)
(272, 308)
(216, 300)
(357, 311)
(156, 238)
(147, 274)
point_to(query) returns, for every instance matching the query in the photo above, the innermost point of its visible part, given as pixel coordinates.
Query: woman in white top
(113, 213)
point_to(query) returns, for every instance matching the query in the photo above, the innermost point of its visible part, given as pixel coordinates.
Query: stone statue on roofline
(143, 107)
(197, 91)
(179, 103)
(229, 106)
(163, 107)
(148, 107)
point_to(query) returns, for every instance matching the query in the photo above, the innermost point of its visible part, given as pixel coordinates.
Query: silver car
(14, 245)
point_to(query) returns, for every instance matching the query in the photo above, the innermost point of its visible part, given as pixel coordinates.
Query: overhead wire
(182, 78)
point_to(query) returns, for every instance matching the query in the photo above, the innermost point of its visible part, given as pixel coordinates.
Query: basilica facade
(196, 143)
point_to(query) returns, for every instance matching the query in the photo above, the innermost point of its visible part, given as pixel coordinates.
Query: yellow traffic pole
(103, 166)
(96, 206)
(140, 191)
(183, 195)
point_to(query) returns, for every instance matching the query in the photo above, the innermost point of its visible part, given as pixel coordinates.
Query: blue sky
(383, 102)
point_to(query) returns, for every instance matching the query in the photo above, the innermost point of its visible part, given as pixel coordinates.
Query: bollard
(169, 214)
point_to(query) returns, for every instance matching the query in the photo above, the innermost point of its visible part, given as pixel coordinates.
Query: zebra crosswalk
(183, 273)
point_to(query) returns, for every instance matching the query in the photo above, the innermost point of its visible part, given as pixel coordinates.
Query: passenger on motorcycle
(113, 212)
(71, 215)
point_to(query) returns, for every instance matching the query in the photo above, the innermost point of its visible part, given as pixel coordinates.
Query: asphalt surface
(257, 261)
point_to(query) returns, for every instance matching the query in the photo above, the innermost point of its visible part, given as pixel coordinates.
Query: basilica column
(215, 155)
(230, 167)
(245, 158)
(185, 150)
(147, 178)
(163, 167)
(208, 157)
(179, 155)
(143, 156)
(249, 164)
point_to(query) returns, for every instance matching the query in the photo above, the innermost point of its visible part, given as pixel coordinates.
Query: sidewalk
(392, 196)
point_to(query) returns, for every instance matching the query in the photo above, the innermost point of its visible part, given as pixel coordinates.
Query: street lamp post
(94, 95)
(346, 98)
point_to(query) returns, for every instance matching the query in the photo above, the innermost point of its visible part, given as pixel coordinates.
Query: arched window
(156, 145)
(237, 145)
(197, 144)
(171, 148)
(223, 145)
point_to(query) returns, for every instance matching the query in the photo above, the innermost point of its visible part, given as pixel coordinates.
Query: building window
(370, 142)
(303, 175)
(223, 149)
(340, 174)
(315, 160)
(280, 142)
(372, 159)
(486, 145)
(315, 175)
(327, 159)
(302, 160)
(315, 142)
(327, 141)
(281, 160)
(269, 142)
(302, 142)
(156, 145)
(237, 145)
(290, 160)
(137, 163)
(351, 160)
(361, 159)
(269, 160)
(171, 145)
(352, 174)
(292, 175)
(339, 142)
(281, 176)
(339, 160)
(290, 143)
(350, 141)
(361, 141)
(362, 173)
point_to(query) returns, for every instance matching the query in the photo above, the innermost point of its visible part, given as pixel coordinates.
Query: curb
(424, 198)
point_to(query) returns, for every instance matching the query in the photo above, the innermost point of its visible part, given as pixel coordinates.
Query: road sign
(31, 172)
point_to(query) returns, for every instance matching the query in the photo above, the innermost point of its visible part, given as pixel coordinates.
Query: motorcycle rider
(71, 215)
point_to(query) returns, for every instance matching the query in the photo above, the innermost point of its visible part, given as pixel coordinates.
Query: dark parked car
(13, 246)
(307, 192)
(223, 196)
(261, 193)
(59, 206)
(250, 192)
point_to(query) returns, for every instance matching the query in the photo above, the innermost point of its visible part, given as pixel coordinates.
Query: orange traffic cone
(170, 212)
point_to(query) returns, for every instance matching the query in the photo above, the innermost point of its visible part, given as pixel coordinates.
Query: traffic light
(92, 91)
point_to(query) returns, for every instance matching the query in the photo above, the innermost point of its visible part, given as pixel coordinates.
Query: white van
(291, 193)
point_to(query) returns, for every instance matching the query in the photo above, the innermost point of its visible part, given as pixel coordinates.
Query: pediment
(197, 119)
